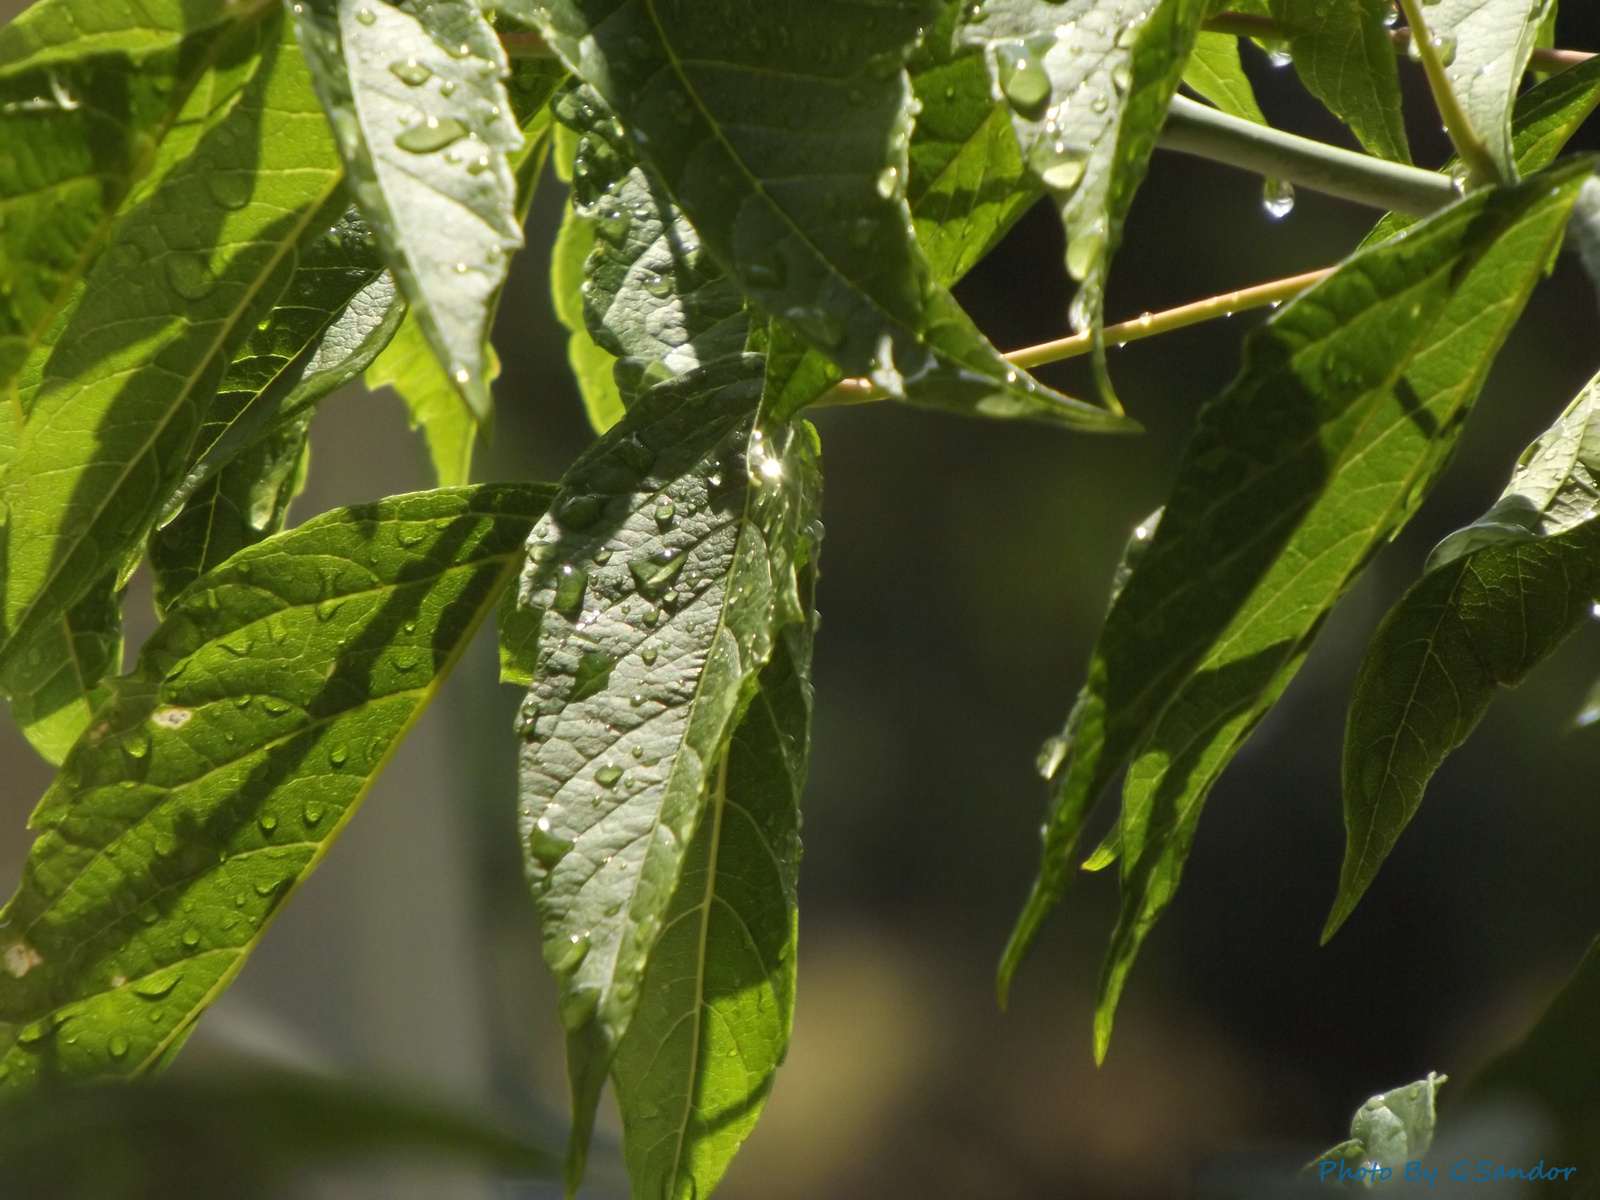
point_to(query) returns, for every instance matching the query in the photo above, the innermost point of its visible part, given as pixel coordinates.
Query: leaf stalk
(1482, 170)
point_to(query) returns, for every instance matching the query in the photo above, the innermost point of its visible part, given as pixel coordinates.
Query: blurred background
(964, 578)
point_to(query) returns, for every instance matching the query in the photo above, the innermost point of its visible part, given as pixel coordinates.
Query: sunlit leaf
(1215, 72)
(221, 769)
(55, 685)
(1345, 57)
(664, 574)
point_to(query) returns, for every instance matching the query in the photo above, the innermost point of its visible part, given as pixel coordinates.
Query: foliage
(217, 214)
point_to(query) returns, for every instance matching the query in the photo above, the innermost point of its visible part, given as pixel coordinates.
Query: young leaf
(1215, 72)
(55, 686)
(122, 396)
(1345, 57)
(89, 91)
(1485, 45)
(242, 1136)
(781, 131)
(1348, 405)
(592, 366)
(663, 575)
(1088, 83)
(655, 300)
(223, 766)
(424, 126)
(1498, 597)
(717, 1003)
(1392, 1128)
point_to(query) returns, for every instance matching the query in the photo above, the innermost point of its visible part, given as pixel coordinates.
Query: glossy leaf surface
(225, 764)
(1215, 72)
(55, 685)
(1345, 57)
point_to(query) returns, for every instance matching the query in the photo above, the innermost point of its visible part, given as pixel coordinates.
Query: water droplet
(157, 987)
(1277, 197)
(593, 675)
(572, 954)
(189, 277)
(580, 512)
(338, 756)
(665, 511)
(366, 16)
(1446, 46)
(433, 134)
(636, 700)
(410, 72)
(649, 654)
(888, 182)
(1392, 16)
(118, 1046)
(1051, 755)
(312, 812)
(1278, 55)
(1058, 165)
(608, 775)
(138, 745)
(655, 574)
(191, 937)
(231, 189)
(577, 1007)
(267, 822)
(546, 847)
(570, 586)
(1023, 79)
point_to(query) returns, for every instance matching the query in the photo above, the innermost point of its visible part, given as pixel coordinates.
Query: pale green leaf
(55, 685)
(717, 1002)
(1349, 403)
(223, 766)
(425, 127)
(664, 574)
(1485, 45)
(592, 366)
(1345, 57)
(121, 398)
(1391, 1129)
(1498, 598)
(781, 133)
(1215, 72)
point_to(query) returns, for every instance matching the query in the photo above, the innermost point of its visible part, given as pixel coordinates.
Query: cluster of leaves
(215, 213)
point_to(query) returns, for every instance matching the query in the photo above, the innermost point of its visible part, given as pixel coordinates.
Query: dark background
(964, 577)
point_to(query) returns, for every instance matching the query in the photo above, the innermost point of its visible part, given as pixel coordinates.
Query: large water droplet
(608, 775)
(546, 847)
(157, 987)
(366, 16)
(570, 586)
(580, 512)
(410, 72)
(577, 1007)
(1023, 79)
(655, 574)
(118, 1046)
(229, 188)
(1277, 197)
(189, 277)
(572, 954)
(593, 674)
(433, 134)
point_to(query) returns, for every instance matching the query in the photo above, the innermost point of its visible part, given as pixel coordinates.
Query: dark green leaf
(55, 686)
(1088, 83)
(118, 403)
(664, 575)
(425, 128)
(1345, 57)
(222, 767)
(1499, 596)
(240, 1137)
(1348, 406)
(780, 129)
(717, 1003)
(1215, 72)
(89, 92)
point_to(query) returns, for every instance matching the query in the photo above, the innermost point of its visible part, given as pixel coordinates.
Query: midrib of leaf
(719, 802)
(424, 697)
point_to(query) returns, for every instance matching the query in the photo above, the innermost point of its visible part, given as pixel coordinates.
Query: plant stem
(1253, 25)
(1482, 170)
(860, 391)
(1198, 129)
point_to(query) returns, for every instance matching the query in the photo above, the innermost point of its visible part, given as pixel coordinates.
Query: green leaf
(240, 1136)
(243, 503)
(591, 366)
(655, 300)
(780, 130)
(1392, 1128)
(1345, 57)
(55, 686)
(663, 574)
(717, 1002)
(121, 398)
(1349, 403)
(1088, 83)
(1215, 72)
(409, 365)
(89, 92)
(1498, 597)
(1485, 45)
(425, 129)
(222, 767)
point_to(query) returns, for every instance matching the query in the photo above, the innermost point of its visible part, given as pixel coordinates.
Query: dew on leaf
(433, 134)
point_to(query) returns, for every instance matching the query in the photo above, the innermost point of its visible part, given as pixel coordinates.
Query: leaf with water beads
(615, 774)
(223, 766)
(439, 193)
(55, 685)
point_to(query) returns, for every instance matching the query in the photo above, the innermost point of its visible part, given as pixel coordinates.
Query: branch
(861, 391)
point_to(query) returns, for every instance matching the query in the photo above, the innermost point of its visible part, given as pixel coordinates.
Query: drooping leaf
(243, 503)
(425, 128)
(1485, 45)
(1498, 597)
(1390, 1129)
(223, 766)
(121, 398)
(780, 130)
(1349, 403)
(663, 574)
(55, 685)
(654, 299)
(1215, 72)
(238, 1136)
(1345, 57)
(1088, 83)
(717, 1002)
(89, 92)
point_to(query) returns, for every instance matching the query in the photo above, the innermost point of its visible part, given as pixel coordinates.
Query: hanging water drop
(366, 16)
(1277, 197)
(1023, 79)
(410, 72)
